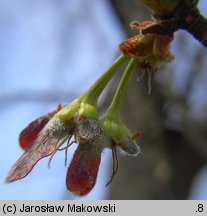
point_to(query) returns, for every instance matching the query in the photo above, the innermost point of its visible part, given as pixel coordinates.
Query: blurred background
(51, 51)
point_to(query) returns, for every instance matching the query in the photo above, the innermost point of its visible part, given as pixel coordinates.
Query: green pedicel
(86, 104)
(111, 122)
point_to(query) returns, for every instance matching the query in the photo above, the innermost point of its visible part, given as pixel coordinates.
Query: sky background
(50, 53)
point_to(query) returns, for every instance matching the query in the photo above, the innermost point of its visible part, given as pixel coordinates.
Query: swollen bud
(151, 48)
(162, 7)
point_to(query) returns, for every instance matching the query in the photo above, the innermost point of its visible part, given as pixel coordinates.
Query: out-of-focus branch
(196, 136)
(14, 98)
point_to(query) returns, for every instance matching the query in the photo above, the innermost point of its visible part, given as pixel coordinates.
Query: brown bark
(196, 24)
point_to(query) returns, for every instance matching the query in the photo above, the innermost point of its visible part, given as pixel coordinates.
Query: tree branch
(14, 98)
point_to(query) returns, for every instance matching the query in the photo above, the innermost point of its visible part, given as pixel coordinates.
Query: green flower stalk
(114, 109)
(112, 124)
(92, 94)
(87, 102)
